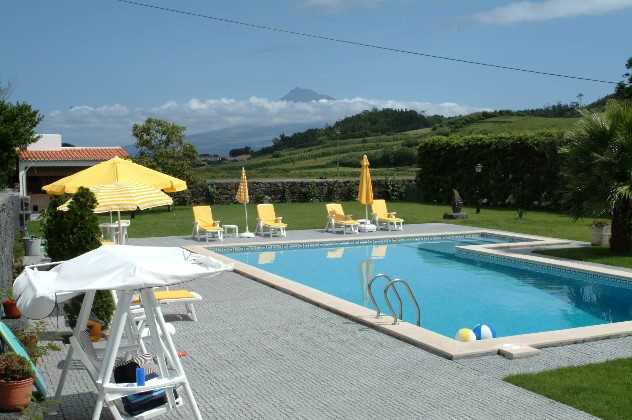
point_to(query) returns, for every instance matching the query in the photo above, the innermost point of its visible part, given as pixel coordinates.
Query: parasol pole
(246, 211)
(120, 229)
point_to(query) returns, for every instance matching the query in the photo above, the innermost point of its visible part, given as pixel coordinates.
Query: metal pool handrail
(392, 284)
(377, 276)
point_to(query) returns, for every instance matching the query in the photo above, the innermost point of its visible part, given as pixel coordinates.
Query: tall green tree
(624, 88)
(17, 130)
(161, 146)
(72, 233)
(598, 170)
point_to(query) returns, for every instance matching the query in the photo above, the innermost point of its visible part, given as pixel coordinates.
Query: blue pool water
(453, 291)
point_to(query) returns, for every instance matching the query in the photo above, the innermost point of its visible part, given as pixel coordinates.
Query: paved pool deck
(257, 352)
(301, 235)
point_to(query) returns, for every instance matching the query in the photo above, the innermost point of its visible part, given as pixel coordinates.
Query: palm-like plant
(598, 170)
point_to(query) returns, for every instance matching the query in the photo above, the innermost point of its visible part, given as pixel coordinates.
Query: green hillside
(321, 160)
(518, 124)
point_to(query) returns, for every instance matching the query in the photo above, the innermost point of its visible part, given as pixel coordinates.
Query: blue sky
(96, 67)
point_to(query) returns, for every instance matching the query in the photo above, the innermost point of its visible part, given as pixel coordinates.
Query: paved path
(259, 353)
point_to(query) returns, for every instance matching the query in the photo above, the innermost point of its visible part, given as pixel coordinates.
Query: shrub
(528, 163)
(211, 192)
(73, 232)
(14, 368)
(70, 234)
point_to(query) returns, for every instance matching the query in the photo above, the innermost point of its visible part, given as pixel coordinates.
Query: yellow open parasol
(113, 171)
(125, 196)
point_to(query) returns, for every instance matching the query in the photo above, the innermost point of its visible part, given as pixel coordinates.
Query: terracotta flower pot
(15, 396)
(95, 329)
(11, 310)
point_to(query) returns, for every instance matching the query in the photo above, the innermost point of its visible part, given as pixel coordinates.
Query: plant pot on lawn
(33, 246)
(600, 234)
(16, 382)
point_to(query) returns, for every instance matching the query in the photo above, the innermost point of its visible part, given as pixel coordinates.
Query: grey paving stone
(259, 353)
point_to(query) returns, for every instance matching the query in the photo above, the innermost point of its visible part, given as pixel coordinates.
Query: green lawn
(601, 389)
(596, 254)
(312, 215)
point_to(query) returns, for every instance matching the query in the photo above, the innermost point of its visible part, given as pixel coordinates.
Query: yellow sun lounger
(385, 218)
(203, 223)
(336, 218)
(268, 222)
(180, 296)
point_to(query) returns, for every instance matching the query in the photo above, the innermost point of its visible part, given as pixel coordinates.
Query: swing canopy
(118, 267)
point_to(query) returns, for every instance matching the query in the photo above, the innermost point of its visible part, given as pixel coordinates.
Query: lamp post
(478, 168)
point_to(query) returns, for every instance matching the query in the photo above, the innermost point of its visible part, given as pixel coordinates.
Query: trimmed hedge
(521, 170)
(299, 190)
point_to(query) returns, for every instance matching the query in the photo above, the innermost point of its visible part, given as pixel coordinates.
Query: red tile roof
(74, 153)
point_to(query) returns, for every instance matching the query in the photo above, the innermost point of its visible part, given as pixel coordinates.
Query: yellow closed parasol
(243, 198)
(365, 189)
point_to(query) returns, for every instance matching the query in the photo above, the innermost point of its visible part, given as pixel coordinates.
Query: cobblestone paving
(259, 353)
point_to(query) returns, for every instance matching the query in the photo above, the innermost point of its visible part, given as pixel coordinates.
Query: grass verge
(595, 254)
(601, 389)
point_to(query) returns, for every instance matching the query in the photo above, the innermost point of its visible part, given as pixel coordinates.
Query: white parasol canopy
(117, 267)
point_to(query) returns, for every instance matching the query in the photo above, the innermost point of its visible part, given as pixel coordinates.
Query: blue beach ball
(484, 332)
(465, 334)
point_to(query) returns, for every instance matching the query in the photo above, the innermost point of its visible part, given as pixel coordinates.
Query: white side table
(231, 230)
(365, 225)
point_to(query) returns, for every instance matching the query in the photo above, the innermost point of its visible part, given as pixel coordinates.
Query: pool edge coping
(421, 337)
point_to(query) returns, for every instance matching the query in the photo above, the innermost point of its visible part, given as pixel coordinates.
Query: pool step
(517, 351)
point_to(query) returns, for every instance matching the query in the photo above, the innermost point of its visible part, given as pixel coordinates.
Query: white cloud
(339, 4)
(112, 124)
(532, 11)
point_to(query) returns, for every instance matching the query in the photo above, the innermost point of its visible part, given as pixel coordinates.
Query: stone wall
(301, 190)
(9, 225)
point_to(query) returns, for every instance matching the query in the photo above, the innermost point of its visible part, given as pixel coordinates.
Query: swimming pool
(453, 290)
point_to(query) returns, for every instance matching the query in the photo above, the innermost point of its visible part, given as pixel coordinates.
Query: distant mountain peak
(299, 94)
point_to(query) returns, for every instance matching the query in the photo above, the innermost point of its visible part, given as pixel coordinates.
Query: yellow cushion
(273, 224)
(168, 294)
(204, 218)
(210, 227)
(266, 212)
(390, 219)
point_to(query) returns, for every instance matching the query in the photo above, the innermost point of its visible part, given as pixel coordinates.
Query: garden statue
(457, 206)
(457, 202)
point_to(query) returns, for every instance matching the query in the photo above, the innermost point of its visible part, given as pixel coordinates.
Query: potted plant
(16, 382)
(30, 339)
(9, 305)
(600, 233)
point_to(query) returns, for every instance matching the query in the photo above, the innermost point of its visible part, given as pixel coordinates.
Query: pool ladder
(392, 284)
